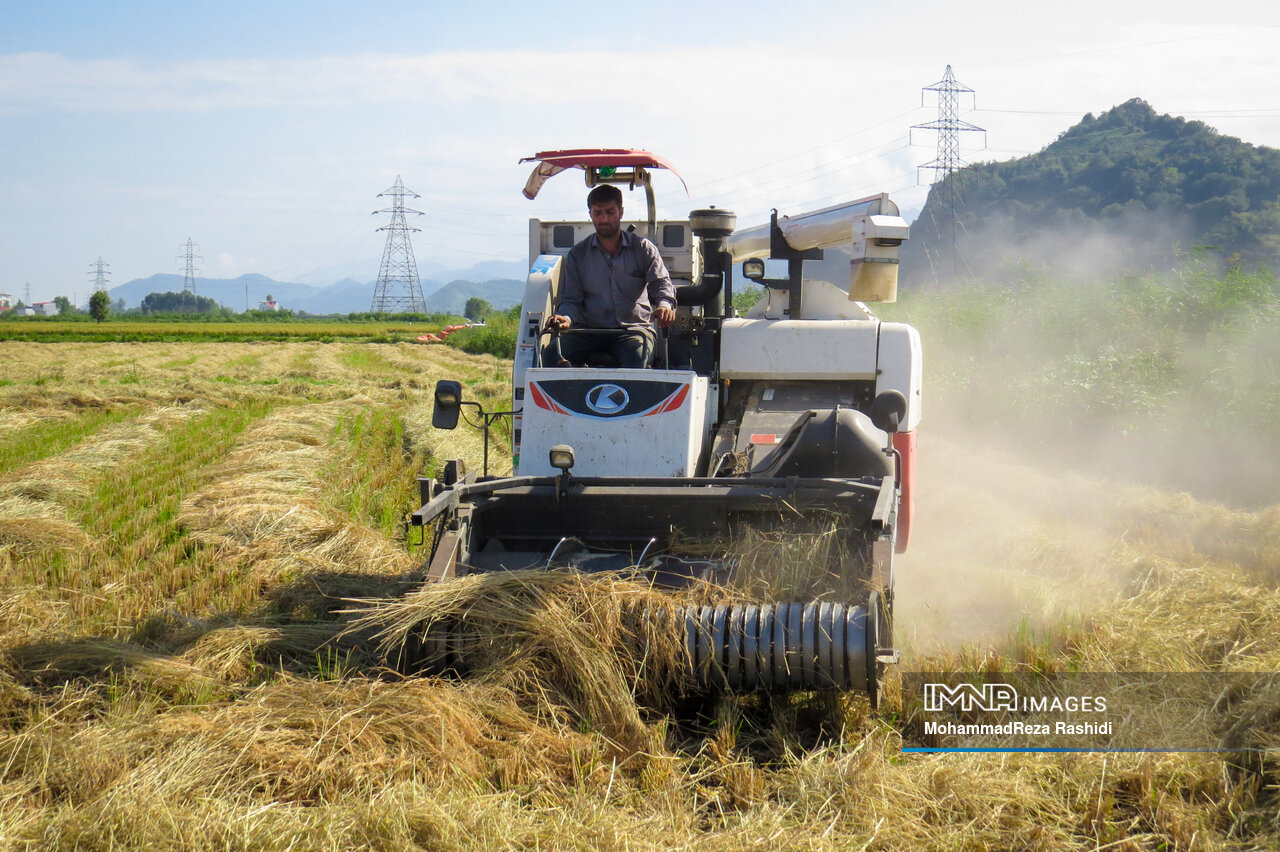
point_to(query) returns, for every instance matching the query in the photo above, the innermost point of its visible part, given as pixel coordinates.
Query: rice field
(126, 330)
(203, 563)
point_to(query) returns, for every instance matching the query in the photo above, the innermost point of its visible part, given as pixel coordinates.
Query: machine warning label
(764, 439)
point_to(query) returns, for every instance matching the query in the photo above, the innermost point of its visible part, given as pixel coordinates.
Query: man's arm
(569, 308)
(662, 292)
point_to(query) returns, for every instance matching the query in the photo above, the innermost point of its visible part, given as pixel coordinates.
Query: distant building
(268, 304)
(6, 302)
(45, 309)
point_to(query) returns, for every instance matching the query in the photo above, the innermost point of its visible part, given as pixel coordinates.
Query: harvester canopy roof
(592, 160)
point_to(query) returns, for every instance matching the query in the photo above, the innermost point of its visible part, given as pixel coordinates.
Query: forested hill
(1124, 189)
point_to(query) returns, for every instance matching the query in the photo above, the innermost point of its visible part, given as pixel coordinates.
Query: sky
(264, 131)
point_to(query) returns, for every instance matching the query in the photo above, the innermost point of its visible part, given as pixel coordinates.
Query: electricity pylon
(99, 274)
(398, 289)
(949, 126)
(190, 256)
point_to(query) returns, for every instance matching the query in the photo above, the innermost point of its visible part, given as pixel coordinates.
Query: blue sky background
(264, 131)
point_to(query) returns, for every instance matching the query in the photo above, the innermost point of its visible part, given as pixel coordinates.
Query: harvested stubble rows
(182, 664)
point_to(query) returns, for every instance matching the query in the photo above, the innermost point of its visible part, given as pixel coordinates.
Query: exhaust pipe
(712, 227)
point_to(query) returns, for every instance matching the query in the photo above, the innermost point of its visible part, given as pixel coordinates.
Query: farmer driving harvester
(614, 280)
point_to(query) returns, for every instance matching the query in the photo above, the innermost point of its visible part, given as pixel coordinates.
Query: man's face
(607, 218)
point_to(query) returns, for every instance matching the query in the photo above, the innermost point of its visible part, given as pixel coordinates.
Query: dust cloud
(1133, 242)
(999, 545)
(1073, 383)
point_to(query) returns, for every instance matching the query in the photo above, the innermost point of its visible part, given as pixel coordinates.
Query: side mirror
(448, 404)
(888, 410)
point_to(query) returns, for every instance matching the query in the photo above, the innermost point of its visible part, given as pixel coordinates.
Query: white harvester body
(641, 423)
(805, 406)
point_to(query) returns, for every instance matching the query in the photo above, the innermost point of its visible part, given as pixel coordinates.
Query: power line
(768, 188)
(338, 242)
(774, 163)
(1250, 112)
(1029, 111)
(1217, 34)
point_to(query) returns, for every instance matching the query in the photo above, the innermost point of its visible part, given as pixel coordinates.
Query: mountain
(342, 297)
(359, 267)
(1122, 190)
(347, 296)
(501, 293)
(229, 292)
(488, 270)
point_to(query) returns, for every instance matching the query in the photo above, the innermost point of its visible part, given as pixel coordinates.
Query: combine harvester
(804, 407)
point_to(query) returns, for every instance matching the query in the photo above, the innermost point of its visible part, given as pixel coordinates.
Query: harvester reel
(783, 646)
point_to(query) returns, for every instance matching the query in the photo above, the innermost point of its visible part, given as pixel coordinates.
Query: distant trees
(99, 305)
(477, 309)
(65, 308)
(178, 303)
(745, 297)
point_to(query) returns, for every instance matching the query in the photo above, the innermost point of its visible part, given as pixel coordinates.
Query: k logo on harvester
(607, 399)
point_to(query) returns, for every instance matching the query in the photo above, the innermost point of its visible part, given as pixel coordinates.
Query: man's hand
(558, 322)
(664, 316)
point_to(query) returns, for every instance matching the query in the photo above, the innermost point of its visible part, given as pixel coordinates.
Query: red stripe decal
(542, 400)
(671, 403)
(677, 399)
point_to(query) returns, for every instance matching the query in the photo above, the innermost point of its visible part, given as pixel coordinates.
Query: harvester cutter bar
(775, 645)
(736, 494)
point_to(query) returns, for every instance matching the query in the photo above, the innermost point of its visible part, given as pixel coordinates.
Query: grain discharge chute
(805, 406)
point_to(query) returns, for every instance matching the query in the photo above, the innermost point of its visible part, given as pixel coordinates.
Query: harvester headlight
(753, 269)
(562, 456)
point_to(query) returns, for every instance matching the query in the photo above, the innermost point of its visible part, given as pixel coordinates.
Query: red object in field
(552, 163)
(905, 444)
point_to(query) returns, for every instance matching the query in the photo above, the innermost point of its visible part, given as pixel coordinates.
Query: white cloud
(276, 160)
